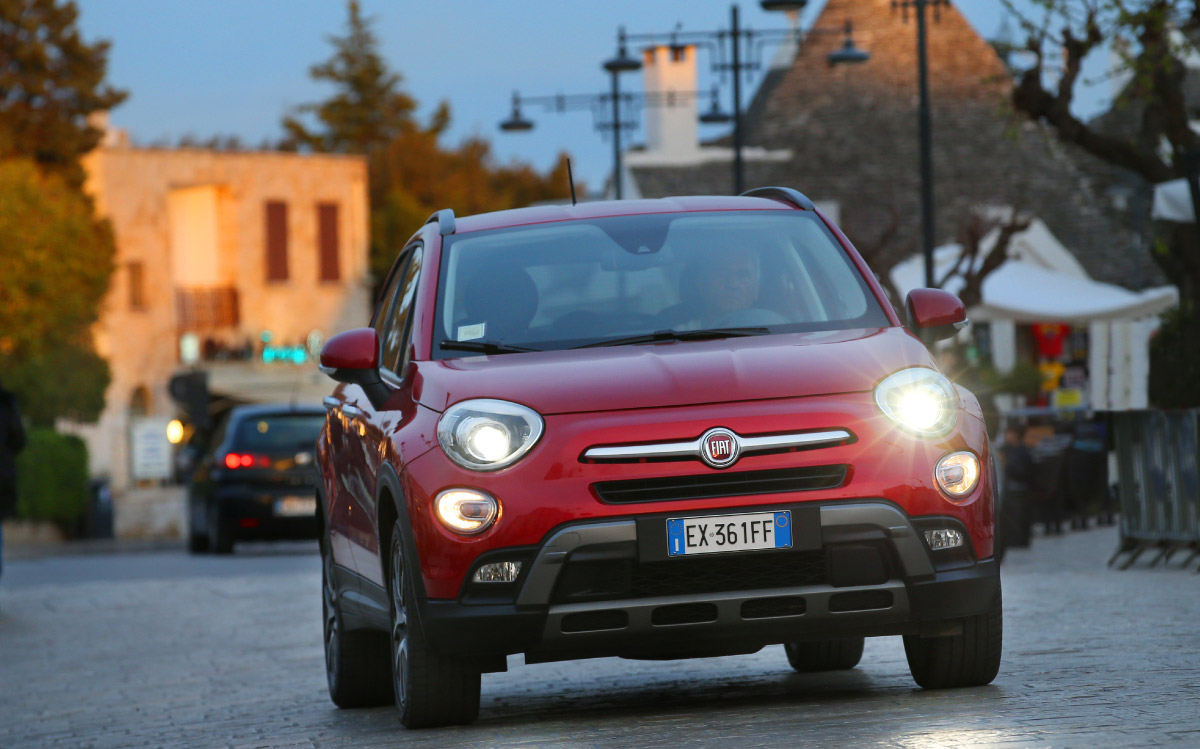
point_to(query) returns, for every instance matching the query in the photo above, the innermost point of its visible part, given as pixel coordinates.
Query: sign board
(150, 449)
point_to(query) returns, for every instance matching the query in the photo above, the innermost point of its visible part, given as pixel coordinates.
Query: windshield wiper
(484, 347)
(680, 335)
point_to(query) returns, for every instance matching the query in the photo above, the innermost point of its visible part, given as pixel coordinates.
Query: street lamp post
(925, 126)
(517, 122)
(737, 65)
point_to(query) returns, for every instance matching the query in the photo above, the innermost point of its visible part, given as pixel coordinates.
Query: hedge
(52, 475)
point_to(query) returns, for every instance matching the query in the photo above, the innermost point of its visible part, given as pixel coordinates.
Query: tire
(824, 655)
(357, 664)
(969, 659)
(430, 689)
(220, 540)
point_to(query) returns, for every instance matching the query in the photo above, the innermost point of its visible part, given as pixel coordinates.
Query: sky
(223, 67)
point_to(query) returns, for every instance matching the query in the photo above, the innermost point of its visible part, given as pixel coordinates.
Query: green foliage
(50, 81)
(367, 109)
(52, 474)
(54, 271)
(412, 174)
(1175, 360)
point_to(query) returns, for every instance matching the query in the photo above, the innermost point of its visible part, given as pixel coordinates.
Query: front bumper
(867, 572)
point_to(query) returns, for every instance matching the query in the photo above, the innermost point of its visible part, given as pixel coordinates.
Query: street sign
(151, 449)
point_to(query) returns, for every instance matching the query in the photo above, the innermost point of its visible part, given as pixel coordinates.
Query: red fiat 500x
(650, 429)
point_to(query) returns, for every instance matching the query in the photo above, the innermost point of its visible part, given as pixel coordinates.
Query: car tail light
(246, 460)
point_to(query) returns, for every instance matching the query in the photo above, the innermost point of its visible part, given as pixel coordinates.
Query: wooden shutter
(327, 241)
(277, 241)
(137, 285)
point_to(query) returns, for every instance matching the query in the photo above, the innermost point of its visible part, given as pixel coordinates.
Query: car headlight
(487, 435)
(920, 400)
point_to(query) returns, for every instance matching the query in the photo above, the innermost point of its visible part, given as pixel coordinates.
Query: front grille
(712, 485)
(606, 580)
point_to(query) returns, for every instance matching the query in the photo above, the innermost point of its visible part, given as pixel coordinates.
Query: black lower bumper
(258, 516)
(909, 590)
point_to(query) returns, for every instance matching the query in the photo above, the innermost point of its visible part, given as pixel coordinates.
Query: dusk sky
(236, 66)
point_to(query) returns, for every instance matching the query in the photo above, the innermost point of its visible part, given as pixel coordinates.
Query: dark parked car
(651, 429)
(256, 480)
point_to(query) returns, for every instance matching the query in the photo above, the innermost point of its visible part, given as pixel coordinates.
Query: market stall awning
(1025, 292)
(1173, 202)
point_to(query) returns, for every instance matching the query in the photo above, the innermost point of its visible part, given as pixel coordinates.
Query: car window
(568, 283)
(387, 299)
(270, 433)
(395, 336)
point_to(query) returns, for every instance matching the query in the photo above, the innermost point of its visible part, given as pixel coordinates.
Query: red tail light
(246, 460)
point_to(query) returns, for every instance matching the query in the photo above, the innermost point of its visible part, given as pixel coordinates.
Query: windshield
(589, 282)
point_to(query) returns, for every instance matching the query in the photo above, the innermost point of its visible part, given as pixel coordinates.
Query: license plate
(717, 533)
(295, 506)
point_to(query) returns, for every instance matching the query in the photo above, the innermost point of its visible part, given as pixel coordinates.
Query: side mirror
(353, 357)
(934, 314)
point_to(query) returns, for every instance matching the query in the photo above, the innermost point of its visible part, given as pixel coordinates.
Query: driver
(715, 288)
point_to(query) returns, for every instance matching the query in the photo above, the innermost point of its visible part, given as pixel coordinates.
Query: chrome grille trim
(692, 449)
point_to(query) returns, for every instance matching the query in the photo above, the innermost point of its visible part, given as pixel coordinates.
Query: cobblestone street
(219, 656)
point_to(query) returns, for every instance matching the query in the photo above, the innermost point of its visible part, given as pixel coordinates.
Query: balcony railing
(208, 308)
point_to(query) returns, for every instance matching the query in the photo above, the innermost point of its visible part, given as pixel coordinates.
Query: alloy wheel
(400, 643)
(333, 624)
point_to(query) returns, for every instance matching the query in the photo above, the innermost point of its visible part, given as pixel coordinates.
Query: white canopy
(1023, 291)
(1173, 202)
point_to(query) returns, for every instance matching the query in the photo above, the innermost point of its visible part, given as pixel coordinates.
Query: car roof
(605, 208)
(256, 410)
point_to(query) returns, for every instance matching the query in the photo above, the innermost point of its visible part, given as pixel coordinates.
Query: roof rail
(445, 221)
(783, 195)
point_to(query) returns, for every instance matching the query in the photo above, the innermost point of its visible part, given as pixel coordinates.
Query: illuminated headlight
(487, 435)
(957, 474)
(466, 511)
(920, 400)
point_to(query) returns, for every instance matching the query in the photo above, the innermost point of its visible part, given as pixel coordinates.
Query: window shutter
(277, 241)
(327, 241)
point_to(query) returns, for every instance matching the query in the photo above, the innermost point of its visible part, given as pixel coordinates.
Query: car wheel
(356, 663)
(824, 655)
(220, 540)
(430, 690)
(968, 659)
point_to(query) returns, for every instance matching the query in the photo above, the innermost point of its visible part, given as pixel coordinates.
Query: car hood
(675, 374)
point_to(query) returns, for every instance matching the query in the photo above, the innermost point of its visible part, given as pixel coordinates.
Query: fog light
(498, 572)
(943, 538)
(957, 474)
(466, 511)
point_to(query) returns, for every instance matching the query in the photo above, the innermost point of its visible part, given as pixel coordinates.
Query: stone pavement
(1093, 657)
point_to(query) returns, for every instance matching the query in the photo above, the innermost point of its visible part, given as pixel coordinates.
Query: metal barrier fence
(1158, 484)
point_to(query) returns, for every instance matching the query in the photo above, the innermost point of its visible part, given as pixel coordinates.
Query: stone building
(224, 261)
(847, 136)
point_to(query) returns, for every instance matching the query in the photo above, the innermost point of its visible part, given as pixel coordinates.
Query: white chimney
(669, 78)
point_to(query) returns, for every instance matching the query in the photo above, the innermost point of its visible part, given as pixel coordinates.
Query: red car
(650, 429)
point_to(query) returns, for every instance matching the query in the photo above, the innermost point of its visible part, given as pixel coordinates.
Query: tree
(1142, 33)
(54, 271)
(367, 111)
(50, 82)
(411, 173)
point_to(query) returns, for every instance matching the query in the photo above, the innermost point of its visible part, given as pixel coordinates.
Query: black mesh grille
(763, 608)
(712, 485)
(684, 613)
(581, 581)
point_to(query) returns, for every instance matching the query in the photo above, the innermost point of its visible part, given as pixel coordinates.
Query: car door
(347, 425)
(383, 422)
(367, 426)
